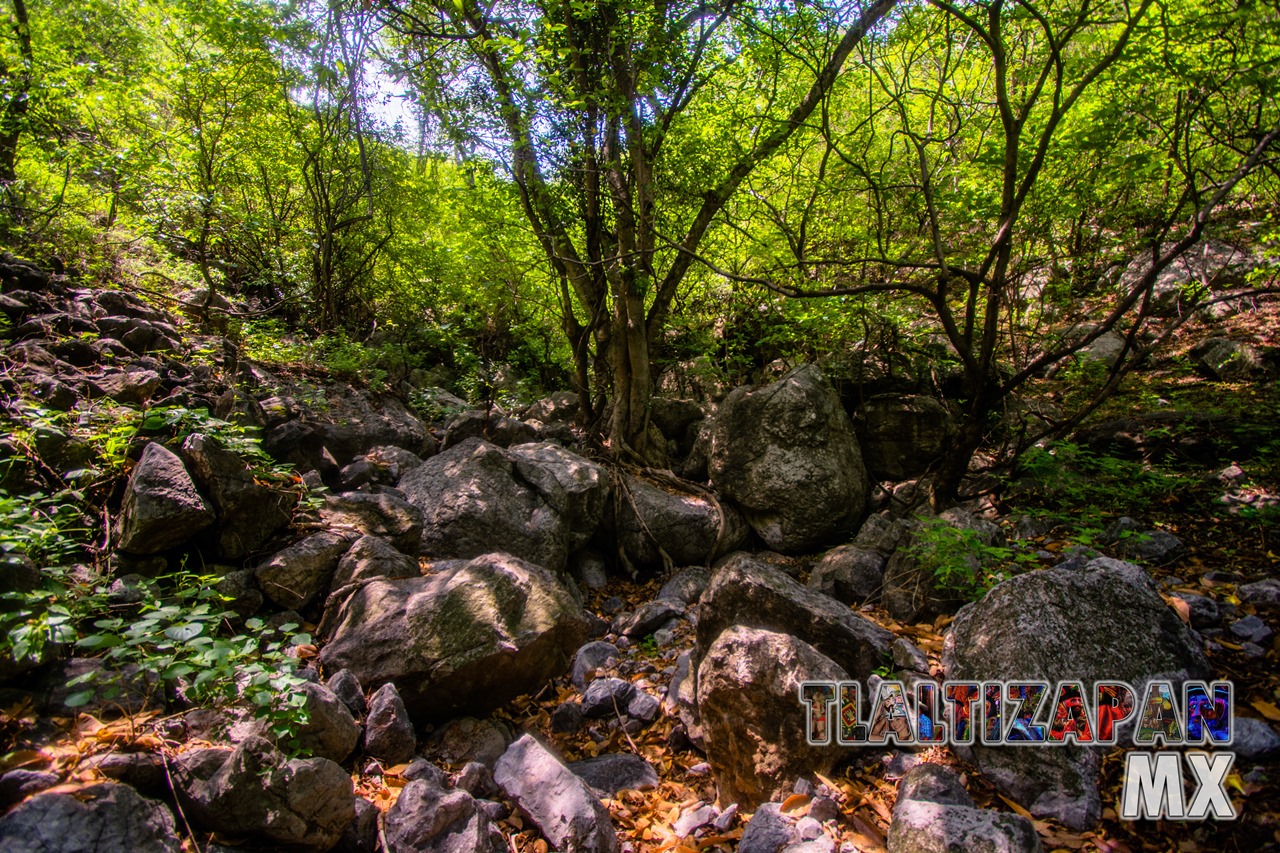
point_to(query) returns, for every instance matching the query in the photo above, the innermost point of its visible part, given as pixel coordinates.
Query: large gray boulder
(560, 804)
(106, 818)
(476, 500)
(330, 731)
(388, 732)
(1103, 621)
(746, 590)
(467, 638)
(373, 557)
(162, 508)
(689, 527)
(901, 435)
(379, 514)
(293, 577)
(849, 574)
(935, 814)
(787, 455)
(748, 687)
(426, 818)
(256, 790)
(249, 514)
(576, 488)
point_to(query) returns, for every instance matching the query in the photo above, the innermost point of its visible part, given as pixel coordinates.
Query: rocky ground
(506, 644)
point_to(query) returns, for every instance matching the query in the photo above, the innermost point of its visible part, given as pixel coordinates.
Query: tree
(993, 165)
(589, 96)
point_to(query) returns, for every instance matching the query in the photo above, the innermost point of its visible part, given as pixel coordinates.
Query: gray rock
(647, 618)
(567, 718)
(474, 503)
(589, 658)
(559, 408)
(132, 386)
(1225, 360)
(1265, 592)
(1150, 546)
(643, 707)
(373, 557)
(1058, 625)
(255, 790)
(768, 831)
(388, 733)
(906, 655)
(426, 818)
(396, 461)
(420, 768)
(493, 427)
(589, 569)
(786, 454)
(575, 488)
(346, 687)
(606, 697)
(241, 589)
(933, 783)
(557, 802)
(467, 638)
(249, 514)
(748, 687)
(686, 586)
(105, 818)
(293, 577)
(1202, 610)
(468, 739)
(609, 774)
(693, 819)
(901, 435)
(1254, 740)
(849, 574)
(924, 827)
(17, 785)
(330, 731)
(161, 508)
(688, 527)
(476, 780)
(745, 590)
(383, 515)
(361, 835)
(1251, 628)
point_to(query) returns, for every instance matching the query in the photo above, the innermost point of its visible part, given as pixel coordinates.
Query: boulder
(361, 835)
(255, 790)
(474, 502)
(384, 515)
(690, 528)
(560, 804)
(353, 421)
(248, 514)
(576, 488)
(934, 813)
(330, 730)
(347, 687)
(849, 574)
(1225, 360)
(467, 638)
(293, 577)
(606, 775)
(373, 557)
(161, 508)
(105, 818)
(129, 386)
(493, 427)
(560, 407)
(426, 818)
(748, 687)
(686, 586)
(468, 740)
(388, 732)
(746, 590)
(647, 618)
(589, 658)
(902, 435)
(1102, 621)
(786, 454)
(607, 697)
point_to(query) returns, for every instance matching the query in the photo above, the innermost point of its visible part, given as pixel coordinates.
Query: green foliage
(1081, 486)
(181, 635)
(962, 564)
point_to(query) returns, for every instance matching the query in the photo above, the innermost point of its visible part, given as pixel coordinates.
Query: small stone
(643, 707)
(1251, 628)
(567, 718)
(476, 780)
(607, 697)
(1260, 592)
(725, 819)
(906, 655)
(346, 687)
(1254, 740)
(693, 819)
(609, 774)
(808, 829)
(589, 658)
(824, 809)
